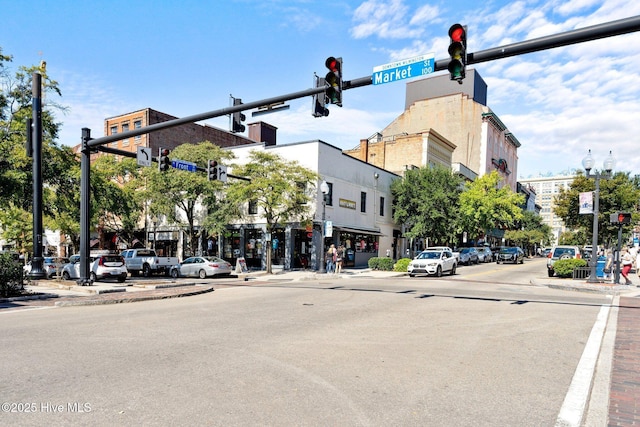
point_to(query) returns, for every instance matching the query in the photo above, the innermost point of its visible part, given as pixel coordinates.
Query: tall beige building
(443, 120)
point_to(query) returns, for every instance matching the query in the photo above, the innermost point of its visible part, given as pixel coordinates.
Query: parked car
(52, 266)
(455, 253)
(102, 267)
(201, 267)
(469, 256)
(510, 254)
(433, 262)
(561, 252)
(484, 254)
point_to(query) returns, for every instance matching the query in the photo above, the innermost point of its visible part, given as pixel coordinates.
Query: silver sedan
(201, 267)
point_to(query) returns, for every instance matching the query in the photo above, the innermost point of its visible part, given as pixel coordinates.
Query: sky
(189, 57)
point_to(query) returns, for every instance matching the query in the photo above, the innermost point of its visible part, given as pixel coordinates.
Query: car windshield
(465, 251)
(508, 250)
(214, 259)
(112, 258)
(429, 255)
(561, 251)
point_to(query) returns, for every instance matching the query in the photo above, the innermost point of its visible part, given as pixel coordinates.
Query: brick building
(171, 138)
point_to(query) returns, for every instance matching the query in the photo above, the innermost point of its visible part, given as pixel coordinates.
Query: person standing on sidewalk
(627, 263)
(331, 254)
(339, 259)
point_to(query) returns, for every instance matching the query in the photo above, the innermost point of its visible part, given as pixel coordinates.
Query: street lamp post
(588, 163)
(324, 188)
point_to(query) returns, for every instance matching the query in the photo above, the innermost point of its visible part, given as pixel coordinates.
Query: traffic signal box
(620, 218)
(164, 163)
(212, 170)
(237, 118)
(334, 80)
(457, 52)
(319, 100)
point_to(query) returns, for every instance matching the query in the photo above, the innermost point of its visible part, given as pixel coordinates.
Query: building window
(114, 131)
(363, 201)
(253, 207)
(125, 128)
(137, 124)
(302, 188)
(381, 206)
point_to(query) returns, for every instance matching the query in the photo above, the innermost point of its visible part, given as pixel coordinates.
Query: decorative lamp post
(588, 164)
(324, 188)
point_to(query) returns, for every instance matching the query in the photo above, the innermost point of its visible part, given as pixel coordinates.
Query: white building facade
(358, 212)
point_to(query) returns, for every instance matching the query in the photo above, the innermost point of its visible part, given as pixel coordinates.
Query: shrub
(402, 265)
(564, 267)
(380, 263)
(373, 263)
(385, 264)
(10, 276)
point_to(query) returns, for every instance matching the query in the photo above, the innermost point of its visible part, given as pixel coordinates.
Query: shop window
(253, 207)
(363, 201)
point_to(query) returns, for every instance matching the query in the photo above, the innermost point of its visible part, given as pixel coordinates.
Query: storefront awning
(358, 230)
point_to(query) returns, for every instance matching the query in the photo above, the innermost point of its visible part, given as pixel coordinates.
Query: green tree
(59, 166)
(115, 203)
(618, 194)
(425, 200)
(486, 205)
(280, 189)
(530, 232)
(177, 194)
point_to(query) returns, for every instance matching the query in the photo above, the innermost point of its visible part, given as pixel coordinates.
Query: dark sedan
(511, 254)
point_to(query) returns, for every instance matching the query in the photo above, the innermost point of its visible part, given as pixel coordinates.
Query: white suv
(433, 261)
(102, 267)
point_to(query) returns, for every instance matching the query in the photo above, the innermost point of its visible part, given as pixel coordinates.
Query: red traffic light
(333, 64)
(457, 33)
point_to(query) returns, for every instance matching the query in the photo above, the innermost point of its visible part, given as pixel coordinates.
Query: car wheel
(497, 262)
(412, 275)
(66, 276)
(453, 270)
(122, 279)
(439, 271)
(93, 276)
(202, 274)
(174, 274)
(146, 270)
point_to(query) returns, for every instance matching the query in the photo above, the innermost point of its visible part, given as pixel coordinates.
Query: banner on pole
(586, 203)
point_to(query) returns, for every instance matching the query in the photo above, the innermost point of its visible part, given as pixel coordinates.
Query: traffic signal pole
(614, 28)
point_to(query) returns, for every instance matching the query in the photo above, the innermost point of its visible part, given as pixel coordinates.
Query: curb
(135, 297)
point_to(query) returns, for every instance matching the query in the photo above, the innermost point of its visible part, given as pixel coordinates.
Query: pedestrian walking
(331, 254)
(339, 259)
(608, 265)
(627, 263)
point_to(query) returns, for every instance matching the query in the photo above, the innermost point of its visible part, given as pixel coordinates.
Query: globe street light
(588, 164)
(324, 188)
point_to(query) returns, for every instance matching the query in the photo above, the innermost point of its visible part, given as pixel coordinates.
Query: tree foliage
(425, 200)
(176, 194)
(620, 193)
(486, 205)
(281, 189)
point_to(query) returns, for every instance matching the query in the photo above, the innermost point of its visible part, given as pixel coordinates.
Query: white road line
(573, 407)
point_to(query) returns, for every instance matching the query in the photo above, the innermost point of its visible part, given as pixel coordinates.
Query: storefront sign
(349, 204)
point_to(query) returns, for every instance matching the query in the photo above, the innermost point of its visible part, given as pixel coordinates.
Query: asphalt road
(484, 348)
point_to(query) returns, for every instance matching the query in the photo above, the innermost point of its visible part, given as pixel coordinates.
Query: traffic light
(237, 118)
(624, 218)
(457, 52)
(164, 163)
(212, 170)
(319, 101)
(620, 218)
(334, 80)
